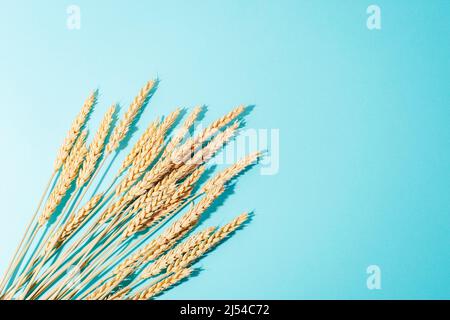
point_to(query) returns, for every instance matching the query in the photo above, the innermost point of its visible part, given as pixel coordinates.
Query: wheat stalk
(61, 157)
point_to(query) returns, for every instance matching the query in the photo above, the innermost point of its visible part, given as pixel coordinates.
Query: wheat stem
(15, 261)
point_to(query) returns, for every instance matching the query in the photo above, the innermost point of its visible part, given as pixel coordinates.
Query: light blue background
(363, 117)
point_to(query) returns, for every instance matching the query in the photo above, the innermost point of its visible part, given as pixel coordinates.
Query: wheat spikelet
(96, 147)
(68, 175)
(74, 131)
(149, 132)
(163, 285)
(123, 127)
(176, 253)
(186, 169)
(74, 222)
(168, 186)
(132, 262)
(202, 247)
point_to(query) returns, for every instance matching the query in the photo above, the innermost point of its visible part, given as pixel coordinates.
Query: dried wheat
(68, 175)
(163, 285)
(184, 259)
(176, 253)
(123, 127)
(139, 145)
(75, 130)
(96, 147)
(74, 222)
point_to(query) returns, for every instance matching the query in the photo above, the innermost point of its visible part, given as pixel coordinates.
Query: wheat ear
(176, 253)
(181, 133)
(68, 175)
(75, 130)
(188, 257)
(179, 155)
(119, 295)
(123, 127)
(139, 145)
(74, 222)
(96, 147)
(231, 171)
(163, 285)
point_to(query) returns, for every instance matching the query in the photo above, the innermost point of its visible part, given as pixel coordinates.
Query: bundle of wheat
(110, 238)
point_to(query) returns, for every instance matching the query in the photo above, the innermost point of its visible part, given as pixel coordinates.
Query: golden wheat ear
(123, 127)
(75, 130)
